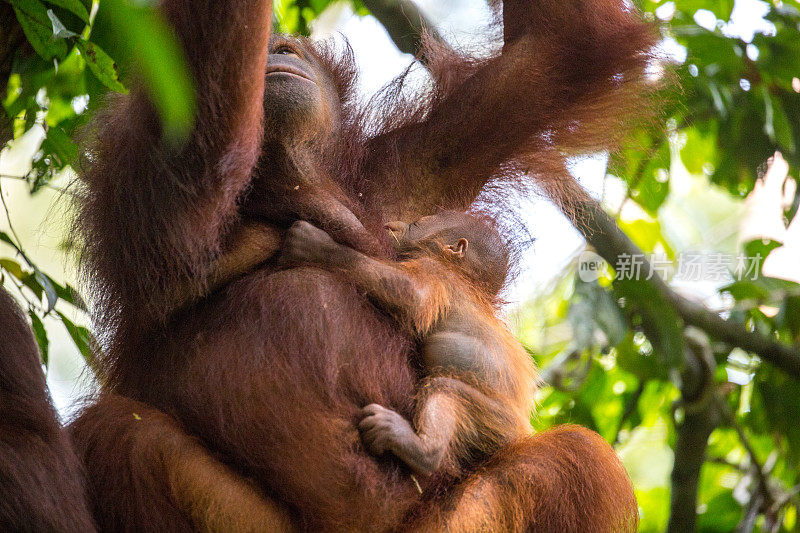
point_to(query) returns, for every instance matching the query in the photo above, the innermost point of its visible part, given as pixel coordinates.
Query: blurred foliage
(296, 16)
(68, 72)
(737, 101)
(609, 350)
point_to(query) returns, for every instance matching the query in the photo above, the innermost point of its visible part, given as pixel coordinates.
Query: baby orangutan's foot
(384, 430)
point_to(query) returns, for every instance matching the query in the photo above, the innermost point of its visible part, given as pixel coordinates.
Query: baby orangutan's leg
(455, 424)
(385, 430)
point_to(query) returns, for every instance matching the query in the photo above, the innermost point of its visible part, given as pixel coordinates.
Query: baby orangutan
(477, 392)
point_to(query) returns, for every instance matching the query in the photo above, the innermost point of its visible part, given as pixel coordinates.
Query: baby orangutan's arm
(410, 290)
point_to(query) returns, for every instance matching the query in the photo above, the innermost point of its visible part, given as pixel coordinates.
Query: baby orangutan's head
(469, 241)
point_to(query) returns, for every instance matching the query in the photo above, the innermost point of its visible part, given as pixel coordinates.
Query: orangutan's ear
(458, 249)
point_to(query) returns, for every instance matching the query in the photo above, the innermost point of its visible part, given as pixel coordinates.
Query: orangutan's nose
(395, 227)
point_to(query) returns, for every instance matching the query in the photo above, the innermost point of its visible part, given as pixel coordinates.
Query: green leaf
(758, 251)
(782, 129)
(700, 149)
(646, 235)
(660, 321)
(655, 506)
(746, 290)
(722, 513)
(717, 57)
(68, 294)
(60, 146)
(30, 281)
(41, 337)
(32, 16)
(650, 182)
(633, 359)
(721, 8)
(73, 6)
(101, 65)
(12, 267)
(138, 35)
(789, 316)
(83, 339)
(360, 9)
(593, 308)
(288, 19)
(781, 397)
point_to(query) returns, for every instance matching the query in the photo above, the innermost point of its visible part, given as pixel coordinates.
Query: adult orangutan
(261, 383)
(41, 479)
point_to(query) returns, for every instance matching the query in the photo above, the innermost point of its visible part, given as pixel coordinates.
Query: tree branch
(733, 333)
(610, 242)
(690, 452)
(701, 417)
(405, 23)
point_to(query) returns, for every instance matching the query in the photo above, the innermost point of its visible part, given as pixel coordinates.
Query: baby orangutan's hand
(306, 243)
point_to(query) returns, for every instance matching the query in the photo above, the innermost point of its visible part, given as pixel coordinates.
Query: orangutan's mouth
(287, 69)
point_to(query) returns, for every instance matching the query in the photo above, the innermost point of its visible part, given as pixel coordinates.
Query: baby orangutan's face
(428, 231)
(406, 237)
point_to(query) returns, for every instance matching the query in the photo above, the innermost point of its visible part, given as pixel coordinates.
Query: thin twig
(32, 304)
(784, 499)
(724, 462)
(45, 185)
(11, 226)
(18, 244)
(757, 467)
(630, 407)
